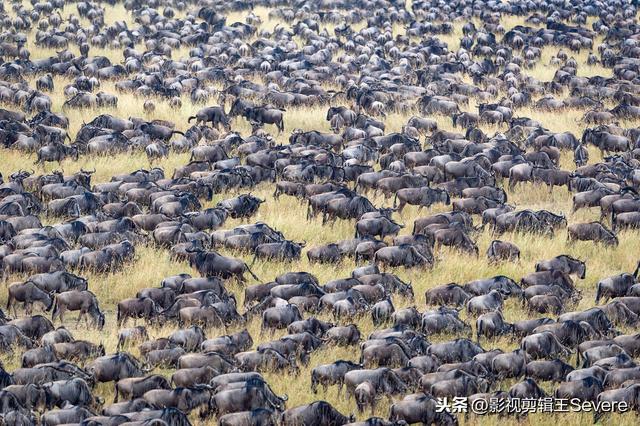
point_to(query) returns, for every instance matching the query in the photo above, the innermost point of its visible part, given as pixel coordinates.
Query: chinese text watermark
(527, 405)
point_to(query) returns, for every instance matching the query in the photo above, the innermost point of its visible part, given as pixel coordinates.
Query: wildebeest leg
(324, 217)
(9, 303)
(120, 343)
(78, 320)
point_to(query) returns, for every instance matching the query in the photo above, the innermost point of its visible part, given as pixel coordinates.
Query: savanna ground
(288, 215)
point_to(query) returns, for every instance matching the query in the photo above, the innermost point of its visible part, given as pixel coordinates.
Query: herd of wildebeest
(345, 57)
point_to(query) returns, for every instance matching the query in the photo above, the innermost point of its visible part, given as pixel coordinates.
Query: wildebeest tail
(55, 307)
(120, 343)
(491, 252)
(251, 272)
(598, 292)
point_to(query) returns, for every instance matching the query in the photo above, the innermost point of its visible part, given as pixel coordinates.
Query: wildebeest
(254, 394)
(564, 263)
(419, 408)
(135, 387)
(404, 255)
(422, 197)
(380, 226)
(84, 301)
(320, 412)
(503, 250)
(544, 344)
(28, 293)
(115, 367)
(142, 307)
(592, 231)
(616, 286)
(214, 114)
(210, 263)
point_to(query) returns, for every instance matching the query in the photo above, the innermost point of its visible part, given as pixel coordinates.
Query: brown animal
(503, 250)
(137, 307)
(28, 293)
(134, 387)
(84, 301)
(592, 231)
(78, 350)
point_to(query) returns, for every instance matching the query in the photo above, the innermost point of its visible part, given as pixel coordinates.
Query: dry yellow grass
(289, 216)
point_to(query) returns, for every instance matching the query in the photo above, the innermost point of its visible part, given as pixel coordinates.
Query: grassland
(289, 216)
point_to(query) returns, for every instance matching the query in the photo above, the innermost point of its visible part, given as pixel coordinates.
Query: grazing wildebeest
(210, 263)
(84, 301)
(213, 114)
(319, 412)
(28, 293)
(115, 367)
(564, 263)
(592, 231)
(422, 197)
(503, 250)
